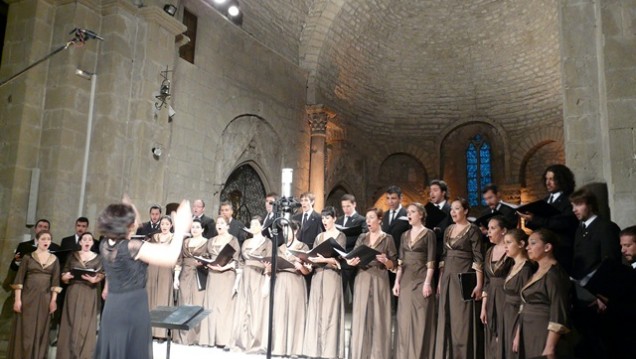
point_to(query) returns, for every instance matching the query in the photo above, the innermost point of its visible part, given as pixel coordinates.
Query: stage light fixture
(220, 1)
(170, 9)
(233, 10)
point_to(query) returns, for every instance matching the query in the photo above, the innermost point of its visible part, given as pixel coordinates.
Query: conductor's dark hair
(563, 177)
(442, 186)
(585, 196)
(394, 189)
(328, 211)
(629, 231)
(490, 187)
(115, 221)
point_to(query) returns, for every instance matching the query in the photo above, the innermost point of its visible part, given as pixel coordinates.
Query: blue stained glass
(484, 167)
(471, 170)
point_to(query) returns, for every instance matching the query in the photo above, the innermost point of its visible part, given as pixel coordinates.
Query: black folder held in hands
(327, 249)
(225, 256)
(540, 208)
(364, 252)
(78, 272)
(281, 263)
(467, 283)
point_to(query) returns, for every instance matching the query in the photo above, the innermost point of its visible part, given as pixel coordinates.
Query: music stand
(184, 317)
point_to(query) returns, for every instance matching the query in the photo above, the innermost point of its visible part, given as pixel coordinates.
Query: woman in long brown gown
(216, 328)
(415, 330)
(496, 267)
(78, 326)
(545, 301)
(290, 293)
(325, 328)
(36, 286)
(185, 279)
(458, 321)
(515, 241)
(252, 312)
(159, 284)
(371, 314)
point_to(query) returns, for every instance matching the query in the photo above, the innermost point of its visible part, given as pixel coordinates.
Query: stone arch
(534, 162)
(245, 189)
(530, 143)
(333, 198)
(404, 170)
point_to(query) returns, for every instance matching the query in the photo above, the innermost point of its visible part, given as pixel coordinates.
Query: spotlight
(219, 1)
(170, 9)
(233, 10)
(156, 152)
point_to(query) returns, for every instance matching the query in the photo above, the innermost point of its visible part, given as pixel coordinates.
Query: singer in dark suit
(72, 242)
(352, 224)
(491, 196)
(596, 239)
(438, 194)
(152, 226)
(236, 227)
(310, 220)
(559, 181)
(207, 223)
(394, 221)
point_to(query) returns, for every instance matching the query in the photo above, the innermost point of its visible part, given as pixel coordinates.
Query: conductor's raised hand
(182, 218)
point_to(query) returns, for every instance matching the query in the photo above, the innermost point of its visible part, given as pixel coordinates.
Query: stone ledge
(157, 15)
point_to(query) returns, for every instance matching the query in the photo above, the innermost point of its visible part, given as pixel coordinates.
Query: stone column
(318, 116)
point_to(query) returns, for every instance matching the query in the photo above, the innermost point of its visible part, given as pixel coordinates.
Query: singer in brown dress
(290, 294)
(160, 279)
(415, 337)
(325, 328)
(78, 326)
(458, 320)
(515, 241)
(545, 301)
(36, 286)
(185, 279)
(371, 314)
(252, 311)
(216, 328)
(496, 267)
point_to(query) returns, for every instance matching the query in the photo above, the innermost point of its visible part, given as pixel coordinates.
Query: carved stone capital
(318, 116)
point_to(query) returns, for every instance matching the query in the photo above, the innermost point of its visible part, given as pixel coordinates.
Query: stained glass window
(478, 169)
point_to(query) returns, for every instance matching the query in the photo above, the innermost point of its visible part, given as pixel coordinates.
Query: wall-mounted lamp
(164, 90)
(156, 152)
(170, 9)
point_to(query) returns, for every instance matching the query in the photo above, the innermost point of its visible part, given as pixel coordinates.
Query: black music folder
(281, 263)
(78, 272)
(364, 252)
(483, 220)
(434, 215)
(202, 278)
(467, 283)
(539, 208)
(327, 249)
(225, 256)
(350, 231)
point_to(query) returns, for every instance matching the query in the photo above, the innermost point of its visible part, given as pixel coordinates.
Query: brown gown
(512, 288)
(251, 318)
(458, 321)
(371, 314)
(545, 306)
(290, 293)
(495, 272)
(78, 326)
(159, 286)
(189, 293)
(216, 328)
(415, 337)
(325, 327)
(29, 337)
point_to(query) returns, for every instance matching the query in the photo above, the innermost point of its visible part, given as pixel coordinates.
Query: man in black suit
(394, 220)
(559, 182)
(198, 209)
(152, 226)
(628, 245)
(438, 194)
(596, 239)
(72, 242)
(352, 224)
(236, 227)
(270, 216)
(491, 196)
(310, 220)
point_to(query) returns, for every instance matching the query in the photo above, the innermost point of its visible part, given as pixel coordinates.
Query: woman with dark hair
(36, 287)
(216, 328)
(79, 314)
(125, 322)
(544, 313)
(325, 327)
(458, 319)
(288, 330)
(496, 268)
(252, 287)
(159, 284)
(415, 330)
(515, 242)
(186, 278)
(371, 314)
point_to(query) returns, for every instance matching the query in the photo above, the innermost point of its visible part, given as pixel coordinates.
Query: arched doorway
(245, 190)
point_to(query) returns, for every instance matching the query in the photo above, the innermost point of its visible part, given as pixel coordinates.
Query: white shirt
(589, 221)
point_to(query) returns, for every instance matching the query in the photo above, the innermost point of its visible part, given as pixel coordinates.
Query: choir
(521, 302)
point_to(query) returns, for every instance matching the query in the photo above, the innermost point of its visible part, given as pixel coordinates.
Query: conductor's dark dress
(125, 326)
